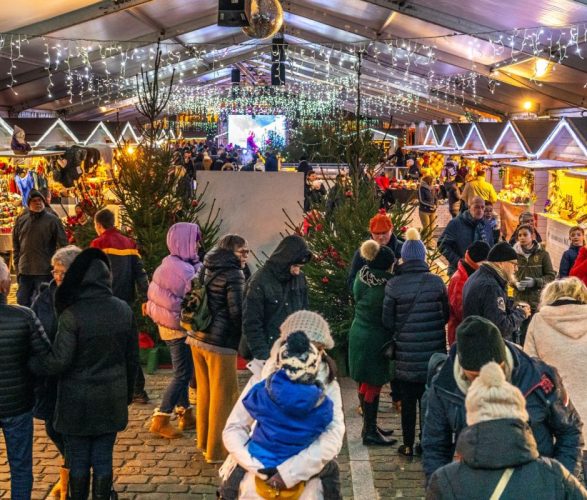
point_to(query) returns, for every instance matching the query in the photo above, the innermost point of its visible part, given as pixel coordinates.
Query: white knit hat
(312, 324)
(492, 397)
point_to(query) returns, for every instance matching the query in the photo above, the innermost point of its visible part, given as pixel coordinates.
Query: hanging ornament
(265, 18)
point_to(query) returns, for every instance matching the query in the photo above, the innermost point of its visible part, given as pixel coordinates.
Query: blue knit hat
(413, 248)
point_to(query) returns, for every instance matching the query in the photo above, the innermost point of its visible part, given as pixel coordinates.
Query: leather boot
(101, 487)
(78, 488)
(186, 417)
(371, 435)
(383, 432)
(160, 426)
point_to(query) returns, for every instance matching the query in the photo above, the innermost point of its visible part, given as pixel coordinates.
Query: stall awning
(461, 152)
(545, 165)
(424, 147)
(31, 154)
(582, 174)
(496, 156)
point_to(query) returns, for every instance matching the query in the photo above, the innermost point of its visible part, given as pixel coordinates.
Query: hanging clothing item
(24, 185)
(92, 159)
(72, 170)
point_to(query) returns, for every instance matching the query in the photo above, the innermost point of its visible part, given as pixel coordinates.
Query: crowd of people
(487, 369)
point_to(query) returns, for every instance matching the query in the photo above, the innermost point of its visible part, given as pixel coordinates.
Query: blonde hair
(568, 288)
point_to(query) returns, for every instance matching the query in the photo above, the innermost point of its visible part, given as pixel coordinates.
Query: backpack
(195, 314)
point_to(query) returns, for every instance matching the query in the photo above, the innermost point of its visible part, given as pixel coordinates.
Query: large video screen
(240, 128)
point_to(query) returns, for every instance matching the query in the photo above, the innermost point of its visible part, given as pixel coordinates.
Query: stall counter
(556, 238)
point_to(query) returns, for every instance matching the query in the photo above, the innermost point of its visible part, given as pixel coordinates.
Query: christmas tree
(152, 191)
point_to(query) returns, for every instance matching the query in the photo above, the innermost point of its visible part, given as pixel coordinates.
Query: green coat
(367, 335)
(538, 266)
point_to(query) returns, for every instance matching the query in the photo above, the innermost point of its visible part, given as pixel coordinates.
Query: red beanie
(380, 223)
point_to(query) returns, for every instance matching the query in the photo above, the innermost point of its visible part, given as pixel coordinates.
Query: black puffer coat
(417, 327)
(21, 336)
(95, 351)
(273, 293)
(225, 298)
(489, 448)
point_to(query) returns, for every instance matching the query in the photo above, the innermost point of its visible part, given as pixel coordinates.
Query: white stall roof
(577, 173)
(546, 164)
(424, 147)
(31, 154)
(496, 156)
(461, 152)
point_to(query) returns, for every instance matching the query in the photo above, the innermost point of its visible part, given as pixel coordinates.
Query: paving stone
(147, 467)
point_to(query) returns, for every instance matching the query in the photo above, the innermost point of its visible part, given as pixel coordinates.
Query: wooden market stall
(526, 188)
(19, 174)
(492, 163)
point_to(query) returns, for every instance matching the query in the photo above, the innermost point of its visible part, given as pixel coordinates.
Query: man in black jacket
(381, 229)
(36, 235)
(485, 292)
(21, 336)
(555, 423)
(275, 291)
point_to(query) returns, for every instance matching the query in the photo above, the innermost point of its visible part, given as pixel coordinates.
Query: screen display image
(241, 128)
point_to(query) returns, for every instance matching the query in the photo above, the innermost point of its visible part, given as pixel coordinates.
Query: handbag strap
(502, 484)
(416, 297)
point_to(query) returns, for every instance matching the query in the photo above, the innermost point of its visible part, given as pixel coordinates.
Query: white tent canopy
(452, 57)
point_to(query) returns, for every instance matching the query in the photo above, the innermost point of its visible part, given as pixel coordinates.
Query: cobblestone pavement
(145, 466)
(395, 475)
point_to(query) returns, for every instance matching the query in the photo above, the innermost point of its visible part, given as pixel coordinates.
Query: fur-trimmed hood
(88, 276)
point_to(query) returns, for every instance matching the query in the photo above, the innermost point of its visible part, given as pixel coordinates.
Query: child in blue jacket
(577, 239)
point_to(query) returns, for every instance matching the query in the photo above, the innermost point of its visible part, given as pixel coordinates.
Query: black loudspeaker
(231, 13)
(278, 61)
(235, 76)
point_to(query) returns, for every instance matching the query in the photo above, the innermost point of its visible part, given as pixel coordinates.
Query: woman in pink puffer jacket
(171, 281)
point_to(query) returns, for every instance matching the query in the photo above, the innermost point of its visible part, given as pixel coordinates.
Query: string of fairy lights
(397, 74)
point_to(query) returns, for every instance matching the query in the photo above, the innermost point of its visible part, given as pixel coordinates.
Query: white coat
(301, 467)
(558, 336)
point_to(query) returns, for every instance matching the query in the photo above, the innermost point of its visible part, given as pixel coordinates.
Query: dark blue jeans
(83, 453)
(176, 393)
(28, 288)
(18, 434)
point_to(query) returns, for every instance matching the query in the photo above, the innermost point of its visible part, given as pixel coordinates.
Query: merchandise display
(567, 198)
(518, 187)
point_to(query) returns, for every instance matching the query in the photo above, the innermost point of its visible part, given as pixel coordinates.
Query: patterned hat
(312, 324)
(299, 358)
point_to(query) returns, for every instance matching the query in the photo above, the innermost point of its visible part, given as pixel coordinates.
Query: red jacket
(127, 267)
(455, 298)
(579, 268)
